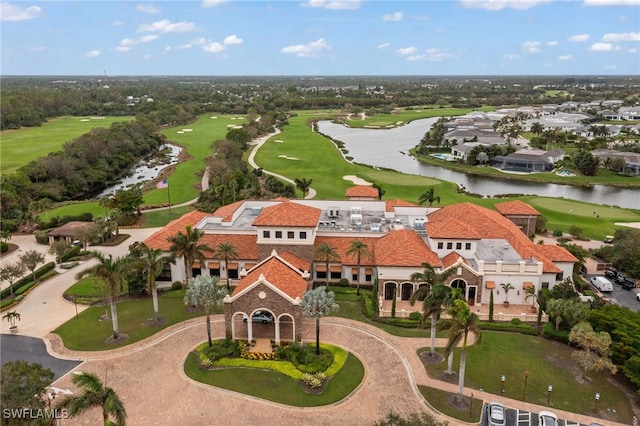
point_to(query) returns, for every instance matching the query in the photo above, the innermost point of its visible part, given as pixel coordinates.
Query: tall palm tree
(429, 197)
(461, 323)
(112, 272)
(203, 291)
(187, 246)
(95, 394)
(151, 262)
(303, 185)
(226, 251)
(434, 296)
(326, 253)
(537, 128)
(359, 250)
(318, 303)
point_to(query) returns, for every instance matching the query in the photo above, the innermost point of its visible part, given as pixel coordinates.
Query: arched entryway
(389, 289)
(258, 324)
(285, 328)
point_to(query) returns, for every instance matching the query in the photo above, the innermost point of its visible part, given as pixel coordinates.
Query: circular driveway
(31, 349)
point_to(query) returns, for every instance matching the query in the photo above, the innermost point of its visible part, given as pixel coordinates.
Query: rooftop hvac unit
(356, 210)
(334, 212)
(418, 223)
(255, 211)
(356, 219)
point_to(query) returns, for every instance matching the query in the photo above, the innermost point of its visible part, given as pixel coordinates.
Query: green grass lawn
(438, 400)
(407, 115)
(278, 387)
(28, 143)
(88, 286)
(548, 363)
(162, 217)
(88, 333)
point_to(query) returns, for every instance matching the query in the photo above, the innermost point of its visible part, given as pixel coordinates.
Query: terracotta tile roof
(557, 253)
(390, 205)
(288, 214)
(226, 212)
(516, 207)
(491, 224)
(341, 245)
(245, 245)
(452, 228)
(362, 191)
(404, 248)
(296, 261)
(159, 239)
(452, 258)
(279, 275)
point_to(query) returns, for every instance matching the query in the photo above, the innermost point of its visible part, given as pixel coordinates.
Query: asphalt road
(619, 296)
(514, 417)
(31, 349)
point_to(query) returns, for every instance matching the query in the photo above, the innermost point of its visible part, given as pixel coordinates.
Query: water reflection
(147, 170)
(389, 148)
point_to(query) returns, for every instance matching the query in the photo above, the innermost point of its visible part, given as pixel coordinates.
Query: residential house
(528, 160)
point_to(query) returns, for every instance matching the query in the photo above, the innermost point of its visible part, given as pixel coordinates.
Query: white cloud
(213, 47)
(565, 57)
(167, 49)
(502, 4)
(9, 12)
(552, 43)
(198, 41)
(127, 43)
(212, 3)
(123, 49)
(436, 55)
(308, 50)
(185, 46)
(613, 37)
(165, 26)
(147, 38)
(512, 56)
(602, 47)
(117, 23)
(531, 46)
(580, 37)
(416, 57)
(146, 57)
(147, 8)
(92, 53)
(392, 17)
(407, 51)
(611, 3)
(232, 39)
(384, 45)
(333, 4)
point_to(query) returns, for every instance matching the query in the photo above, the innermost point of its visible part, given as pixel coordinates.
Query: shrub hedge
(508, 326)
(27, 279)
(548, 330)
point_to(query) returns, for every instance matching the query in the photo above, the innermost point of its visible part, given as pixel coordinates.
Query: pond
(389, 148)
(147, 169)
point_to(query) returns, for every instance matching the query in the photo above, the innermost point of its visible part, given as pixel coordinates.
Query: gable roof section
(288, 214)
(226, 212)
(245, 244)
(404, 248)
(362, 191)
(158, 240)
(557, 253)
(491, 224)
(451, 259)
(390, 205)
(295, 261)
(452, 228)
(278, 275)
(516, 207)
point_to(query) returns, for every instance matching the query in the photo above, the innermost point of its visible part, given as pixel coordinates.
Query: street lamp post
(524, 389)
(75, 302)
(549, 394)
(502, 379)
(595, 402)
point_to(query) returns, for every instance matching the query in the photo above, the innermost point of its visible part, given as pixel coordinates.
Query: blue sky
(321, 37)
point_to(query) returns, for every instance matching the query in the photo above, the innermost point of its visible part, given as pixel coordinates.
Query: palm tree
(112, 272)
(187, 246)
(507, 287)
(203, 291)
(530, 293)
(303, 185)
(318, 303)
(433, 296)
(226, 251)
(461, 323)
(359, 250)
(429, 197)
(151, 262)
(326, 253)
(537, 128)
(95, 394)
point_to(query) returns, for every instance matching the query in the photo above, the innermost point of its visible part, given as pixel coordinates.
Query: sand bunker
(233, 118)
(279, 141)
(187, 130)
(214, 117)
(180, 131)
(629, 224)
(356, 180)
(85, 119)
(287, 157)
(97, 118)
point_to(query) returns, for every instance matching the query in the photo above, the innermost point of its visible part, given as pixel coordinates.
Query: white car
(495, 414)
(547, 418)
(638, 296)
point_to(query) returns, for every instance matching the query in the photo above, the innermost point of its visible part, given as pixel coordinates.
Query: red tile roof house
(485, 247)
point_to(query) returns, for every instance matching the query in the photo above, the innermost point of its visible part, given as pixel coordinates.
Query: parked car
(77, 243)
(547, 418)
(608, 239)
(259, 316)
(495, 414)
(611, 273)
(638, 296)
(602, 284)
(628, 284)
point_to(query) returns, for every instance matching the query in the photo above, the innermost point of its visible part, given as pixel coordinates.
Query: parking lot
(619, 295)
(515, 417)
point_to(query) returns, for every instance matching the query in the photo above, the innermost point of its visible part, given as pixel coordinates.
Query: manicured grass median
(438, 399)
(278, 387)
(548, 363)
(88, 332)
